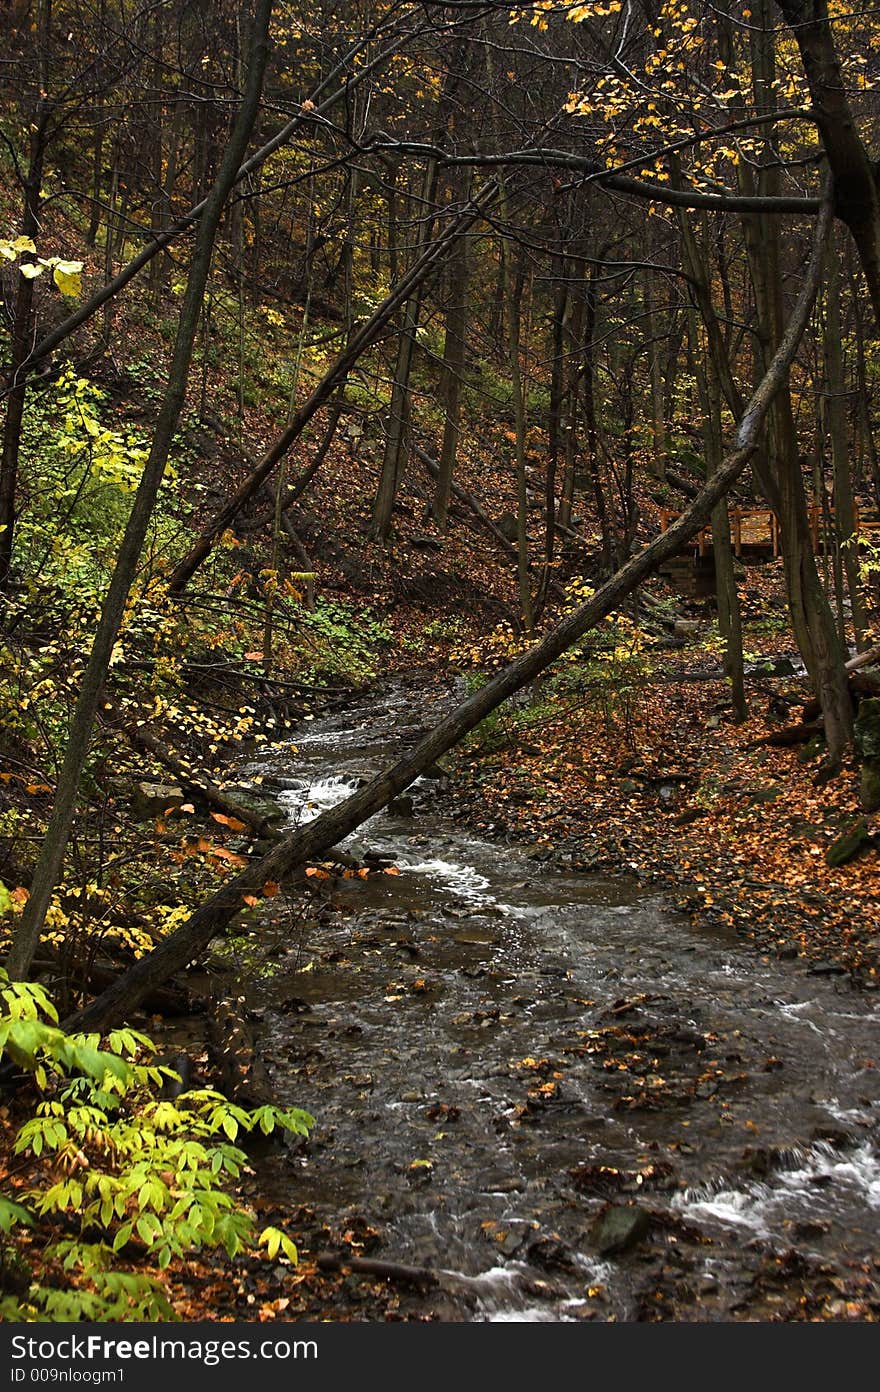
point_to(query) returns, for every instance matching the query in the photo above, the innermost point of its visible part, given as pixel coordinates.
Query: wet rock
(508, 1238)
(618, 1228)
(435, 772)
(685, 628)
(401, 807)
(826, 969)
(264, 808)
(376, 861)
(764, 1160)
(787, 951)
(155, 799)
(276, 783)
(809, 1228)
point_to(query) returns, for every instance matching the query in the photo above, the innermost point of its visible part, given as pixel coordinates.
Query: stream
(548, 1086)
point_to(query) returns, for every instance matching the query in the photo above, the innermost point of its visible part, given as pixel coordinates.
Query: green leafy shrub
(343, 642)
(126, 1175)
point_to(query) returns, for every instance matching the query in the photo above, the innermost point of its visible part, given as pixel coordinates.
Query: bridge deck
(757, 529)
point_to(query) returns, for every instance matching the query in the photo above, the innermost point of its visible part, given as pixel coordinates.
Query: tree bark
(846, 536)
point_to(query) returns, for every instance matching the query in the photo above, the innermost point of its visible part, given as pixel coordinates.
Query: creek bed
(552, 1089)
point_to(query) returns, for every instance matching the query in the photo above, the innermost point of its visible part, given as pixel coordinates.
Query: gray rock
(619, 1227)
(154, 799)
(275, 783)
(265, 808)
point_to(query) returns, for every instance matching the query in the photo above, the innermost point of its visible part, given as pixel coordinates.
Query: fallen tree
(307, 843)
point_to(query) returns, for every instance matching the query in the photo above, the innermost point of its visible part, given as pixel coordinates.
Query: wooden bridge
(755, 531)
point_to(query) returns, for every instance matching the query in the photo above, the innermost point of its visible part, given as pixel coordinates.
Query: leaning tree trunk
(58, 831)
(856, 196)
(729, 615)
(311, 841)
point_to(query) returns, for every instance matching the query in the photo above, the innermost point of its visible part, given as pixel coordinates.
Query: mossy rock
(867, 730)
(768, 794)
(848, 844)
(813, 749)
(869, 790)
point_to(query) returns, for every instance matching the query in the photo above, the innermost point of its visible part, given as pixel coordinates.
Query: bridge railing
(759, 528)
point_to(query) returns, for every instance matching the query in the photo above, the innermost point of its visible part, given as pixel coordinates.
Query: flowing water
(497, 1049)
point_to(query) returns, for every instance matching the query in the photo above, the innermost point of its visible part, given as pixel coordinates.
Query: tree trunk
(844, 505)
(729, 615)
(23, 326)
(513, 299)
(452, 377)
(856, 198)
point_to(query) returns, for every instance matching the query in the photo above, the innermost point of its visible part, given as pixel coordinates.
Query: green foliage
(80, 472)
(141, 1177)
(341, 641)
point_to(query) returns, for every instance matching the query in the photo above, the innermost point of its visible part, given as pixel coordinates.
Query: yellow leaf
(67, 275)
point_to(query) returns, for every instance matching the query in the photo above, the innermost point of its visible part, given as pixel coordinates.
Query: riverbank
(737, 832)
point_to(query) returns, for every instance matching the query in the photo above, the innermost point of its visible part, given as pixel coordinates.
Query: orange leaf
(232, 822)
(20, 895)
(270, 888)
(253, 657)
(315, 873)
(250, 899)
(391, 870)
(364, 874)
(38, 788)
(221, 853)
